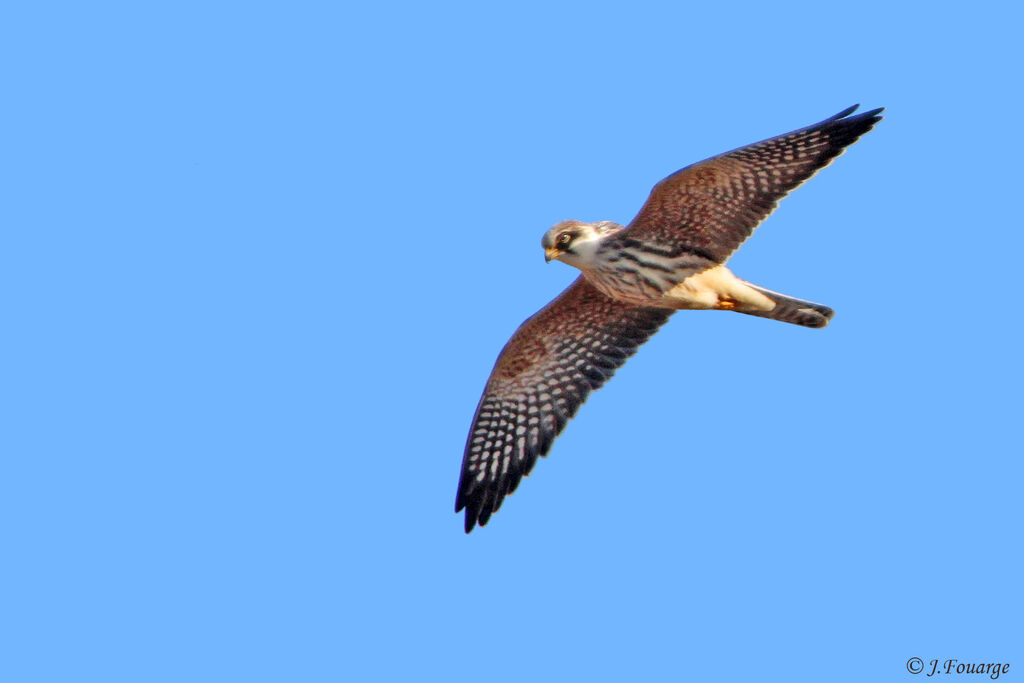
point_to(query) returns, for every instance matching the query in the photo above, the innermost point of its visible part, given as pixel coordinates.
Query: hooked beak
(550, 254)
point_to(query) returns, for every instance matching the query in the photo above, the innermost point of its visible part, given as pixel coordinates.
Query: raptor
(672, 256)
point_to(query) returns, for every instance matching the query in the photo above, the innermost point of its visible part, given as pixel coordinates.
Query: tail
(790, 310)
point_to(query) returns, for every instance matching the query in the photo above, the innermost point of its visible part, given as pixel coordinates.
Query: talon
(726, 305)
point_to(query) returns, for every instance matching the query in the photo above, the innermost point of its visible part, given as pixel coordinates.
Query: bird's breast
(632, 284)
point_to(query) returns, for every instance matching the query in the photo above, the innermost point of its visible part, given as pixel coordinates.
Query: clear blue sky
(259, 258)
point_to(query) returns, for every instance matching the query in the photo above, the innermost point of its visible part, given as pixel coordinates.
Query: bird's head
(576, 242)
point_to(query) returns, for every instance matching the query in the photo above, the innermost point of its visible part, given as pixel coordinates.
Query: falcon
(672, 256)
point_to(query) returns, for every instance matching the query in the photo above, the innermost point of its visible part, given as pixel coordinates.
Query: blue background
(258, 259)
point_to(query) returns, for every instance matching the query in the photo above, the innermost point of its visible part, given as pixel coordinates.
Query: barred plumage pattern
(555, 359)
(640, 273)
(713, 206)
(694, 219)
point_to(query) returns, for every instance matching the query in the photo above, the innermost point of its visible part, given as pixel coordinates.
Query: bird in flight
(671, 256)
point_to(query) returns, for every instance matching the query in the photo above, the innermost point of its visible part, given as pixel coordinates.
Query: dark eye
(564, 239)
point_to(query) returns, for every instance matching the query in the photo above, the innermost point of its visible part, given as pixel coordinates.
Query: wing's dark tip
(845, 130)
(843, 114)
(465, 499)
(867, 119)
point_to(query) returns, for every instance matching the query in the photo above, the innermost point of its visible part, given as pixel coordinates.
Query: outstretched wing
(543, 375)
(713, 206)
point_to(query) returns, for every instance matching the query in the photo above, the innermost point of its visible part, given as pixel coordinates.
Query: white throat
(584, 251)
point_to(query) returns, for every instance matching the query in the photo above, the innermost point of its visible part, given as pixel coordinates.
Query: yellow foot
(726, 305)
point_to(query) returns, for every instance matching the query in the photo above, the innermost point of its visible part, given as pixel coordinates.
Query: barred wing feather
(543, 375)
(713, 206)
